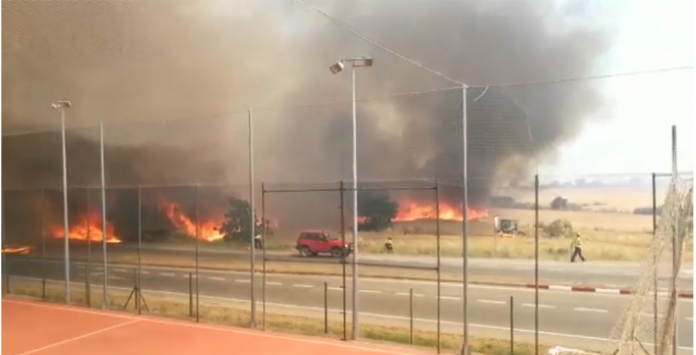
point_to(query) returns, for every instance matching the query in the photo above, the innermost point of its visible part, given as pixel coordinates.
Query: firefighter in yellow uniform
(576, 247)
(389, 245)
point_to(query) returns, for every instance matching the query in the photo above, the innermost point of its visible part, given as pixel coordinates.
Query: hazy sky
(635, 137)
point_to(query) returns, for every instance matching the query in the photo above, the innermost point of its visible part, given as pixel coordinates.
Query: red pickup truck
(314, 242)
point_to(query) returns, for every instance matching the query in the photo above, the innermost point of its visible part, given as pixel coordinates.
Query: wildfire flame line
(208, 230)
(85, 228)
(410, 211)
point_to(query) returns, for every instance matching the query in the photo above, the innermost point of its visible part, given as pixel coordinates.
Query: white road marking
(689, 319)
(303, 286)
(274, 283)
(583, 309)
(370, 291)
(540, 305)
(120, 270)
(167, 274)
(217, 278)
(491, 301)
(560, 288)
(335, 288)
(408, 294)
(242, 281)
(450, 298)
(145, 272)
(650, 315)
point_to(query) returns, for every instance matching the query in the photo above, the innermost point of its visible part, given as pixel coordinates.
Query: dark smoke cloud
(123, 62)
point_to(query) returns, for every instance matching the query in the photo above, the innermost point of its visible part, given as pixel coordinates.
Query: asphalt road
(600, 273)
(566, 318)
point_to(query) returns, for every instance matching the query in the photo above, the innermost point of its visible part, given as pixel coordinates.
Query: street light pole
(62, 105)
(355, 319)
(356, 62)
(465, 227)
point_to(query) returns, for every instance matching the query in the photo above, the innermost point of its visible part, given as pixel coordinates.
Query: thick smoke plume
(172, 81)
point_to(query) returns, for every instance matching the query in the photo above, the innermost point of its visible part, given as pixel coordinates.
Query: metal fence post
(263, 256)
(343, 263)
(439, 266)
(410, 316)
(512, 325)
(191, 295)
(198, 238)
(536, 264)
(326, 307)
(88, 281)
(43, 248)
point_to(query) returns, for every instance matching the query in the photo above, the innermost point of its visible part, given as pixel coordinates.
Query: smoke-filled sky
(172, 81)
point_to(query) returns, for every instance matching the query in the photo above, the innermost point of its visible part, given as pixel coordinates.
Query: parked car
(314, 242)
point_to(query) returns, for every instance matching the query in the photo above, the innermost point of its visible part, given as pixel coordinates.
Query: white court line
(167, 274)
(335, 288)
(491, 301)
(540, 305)
(583, 309)
(242, 281)
(217, 278)
(80, 336)
(303, 286)
(370, 291)
(120, 270)
(274, 283)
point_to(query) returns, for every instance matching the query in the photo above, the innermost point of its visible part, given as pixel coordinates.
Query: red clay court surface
(46, 329)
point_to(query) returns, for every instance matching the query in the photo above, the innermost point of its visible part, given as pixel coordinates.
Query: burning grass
(225, 313)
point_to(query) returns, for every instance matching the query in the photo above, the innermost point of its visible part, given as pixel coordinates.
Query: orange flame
(412, 211)
(208, 230)
(91, 227)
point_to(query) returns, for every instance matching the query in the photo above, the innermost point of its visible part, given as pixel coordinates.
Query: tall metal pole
(252, 255)
(105, 297)
(655, 272)
(465, 227)
(676, 246)
(536, 264)
(356, 321)
(66, 242)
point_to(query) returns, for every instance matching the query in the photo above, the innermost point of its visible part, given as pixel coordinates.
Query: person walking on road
(576, 246)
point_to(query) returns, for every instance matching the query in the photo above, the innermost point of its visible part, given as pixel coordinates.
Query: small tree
(559, 203)
(559, 228)
(237, 225)
(377, 210)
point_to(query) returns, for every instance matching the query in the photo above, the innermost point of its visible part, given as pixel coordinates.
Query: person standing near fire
(389, 245)
(576, 247)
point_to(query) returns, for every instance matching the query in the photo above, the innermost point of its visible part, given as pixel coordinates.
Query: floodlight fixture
(357, 62)
(61, 104)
